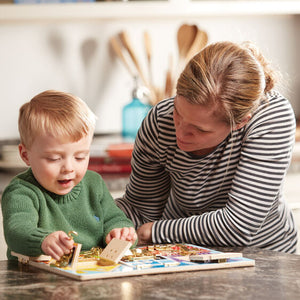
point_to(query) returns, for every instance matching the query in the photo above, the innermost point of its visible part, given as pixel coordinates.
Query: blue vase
(132, 116)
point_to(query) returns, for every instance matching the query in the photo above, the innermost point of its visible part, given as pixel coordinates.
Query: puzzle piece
(113, 252)
(24, 259)
(75, 254)
(214, 257)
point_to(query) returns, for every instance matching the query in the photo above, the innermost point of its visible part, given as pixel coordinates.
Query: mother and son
(208, 166)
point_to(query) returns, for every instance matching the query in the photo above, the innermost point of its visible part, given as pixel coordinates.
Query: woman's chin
(187, 147)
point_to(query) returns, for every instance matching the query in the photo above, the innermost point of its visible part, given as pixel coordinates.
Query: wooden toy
(116, 260)
(113, 252)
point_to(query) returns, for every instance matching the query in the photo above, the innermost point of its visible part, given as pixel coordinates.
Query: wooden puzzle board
(160, 264)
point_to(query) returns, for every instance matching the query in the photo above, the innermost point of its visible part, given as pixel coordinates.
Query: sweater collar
(68, 197)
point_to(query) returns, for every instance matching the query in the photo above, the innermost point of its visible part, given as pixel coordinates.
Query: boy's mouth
(65, 181)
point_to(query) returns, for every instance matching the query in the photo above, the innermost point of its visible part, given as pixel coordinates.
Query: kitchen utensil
(186, 35)
(148, 48)
(198, 44)
(117, 47)
(169, 79)
(124, 37)
(203, 40)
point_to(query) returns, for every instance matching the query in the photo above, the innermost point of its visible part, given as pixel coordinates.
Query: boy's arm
(20, 221)
(113, 216)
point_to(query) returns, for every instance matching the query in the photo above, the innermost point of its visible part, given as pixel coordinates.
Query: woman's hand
(125, 234)
(145, 234)
(56, 244)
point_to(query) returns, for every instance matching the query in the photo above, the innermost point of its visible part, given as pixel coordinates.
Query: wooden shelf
(143, 9)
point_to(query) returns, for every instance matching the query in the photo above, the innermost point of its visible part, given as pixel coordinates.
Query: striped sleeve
(149, 186)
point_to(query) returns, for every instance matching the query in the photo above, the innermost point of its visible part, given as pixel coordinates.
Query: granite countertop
(275, 276)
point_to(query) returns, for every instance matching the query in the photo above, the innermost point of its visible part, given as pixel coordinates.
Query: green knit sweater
(30, 213)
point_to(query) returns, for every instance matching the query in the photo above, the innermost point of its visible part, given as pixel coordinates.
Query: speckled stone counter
(275, 276)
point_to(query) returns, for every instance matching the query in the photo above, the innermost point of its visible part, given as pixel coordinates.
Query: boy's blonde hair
(60, 114)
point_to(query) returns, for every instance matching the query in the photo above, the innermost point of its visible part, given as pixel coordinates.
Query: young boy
(57, 193)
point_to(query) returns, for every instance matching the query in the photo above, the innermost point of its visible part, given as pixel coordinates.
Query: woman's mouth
(182, 142)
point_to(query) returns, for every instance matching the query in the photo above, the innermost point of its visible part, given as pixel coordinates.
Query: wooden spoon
(117, 47)
(124, 37)
(147, 42)
(199, 43)
(169, 79)
(185, 37)
(204, 40)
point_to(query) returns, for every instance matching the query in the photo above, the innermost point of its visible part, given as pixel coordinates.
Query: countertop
(275, 276)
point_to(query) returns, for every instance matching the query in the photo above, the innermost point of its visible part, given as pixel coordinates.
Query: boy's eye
(79, 158)
(52, 158)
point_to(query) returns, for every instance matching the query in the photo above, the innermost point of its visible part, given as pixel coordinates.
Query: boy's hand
(125, 234)
(56, 244)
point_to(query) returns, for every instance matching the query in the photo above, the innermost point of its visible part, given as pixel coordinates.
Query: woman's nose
(182, 128)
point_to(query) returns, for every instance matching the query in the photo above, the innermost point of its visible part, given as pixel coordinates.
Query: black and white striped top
(230, 197)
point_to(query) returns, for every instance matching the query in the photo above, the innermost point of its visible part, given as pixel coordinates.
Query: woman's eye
(201, 130)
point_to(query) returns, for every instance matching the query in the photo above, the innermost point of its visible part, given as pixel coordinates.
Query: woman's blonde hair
(235, 78)
(60, 114)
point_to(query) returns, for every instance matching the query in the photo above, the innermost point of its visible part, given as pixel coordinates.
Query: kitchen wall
(74, 56)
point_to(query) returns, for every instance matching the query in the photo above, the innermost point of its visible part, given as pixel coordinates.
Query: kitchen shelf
(143, 9)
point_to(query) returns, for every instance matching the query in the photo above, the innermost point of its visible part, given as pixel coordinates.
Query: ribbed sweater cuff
(35, 240)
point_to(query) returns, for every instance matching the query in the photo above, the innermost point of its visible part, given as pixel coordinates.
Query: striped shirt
(230, 197)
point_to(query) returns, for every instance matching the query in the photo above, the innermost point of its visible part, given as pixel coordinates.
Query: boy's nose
(67, 166)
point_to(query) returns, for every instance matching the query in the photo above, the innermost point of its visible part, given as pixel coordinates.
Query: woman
(209, 164)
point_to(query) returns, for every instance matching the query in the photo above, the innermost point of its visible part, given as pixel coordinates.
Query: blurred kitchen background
(74, 47)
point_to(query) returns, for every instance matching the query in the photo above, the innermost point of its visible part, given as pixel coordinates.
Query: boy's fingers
(55, 252)
(132, 236)
(116, 233)
(124, 233)
(65, 242)
(108, 239)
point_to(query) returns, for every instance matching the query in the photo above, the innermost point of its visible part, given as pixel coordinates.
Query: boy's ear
(24, 154)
